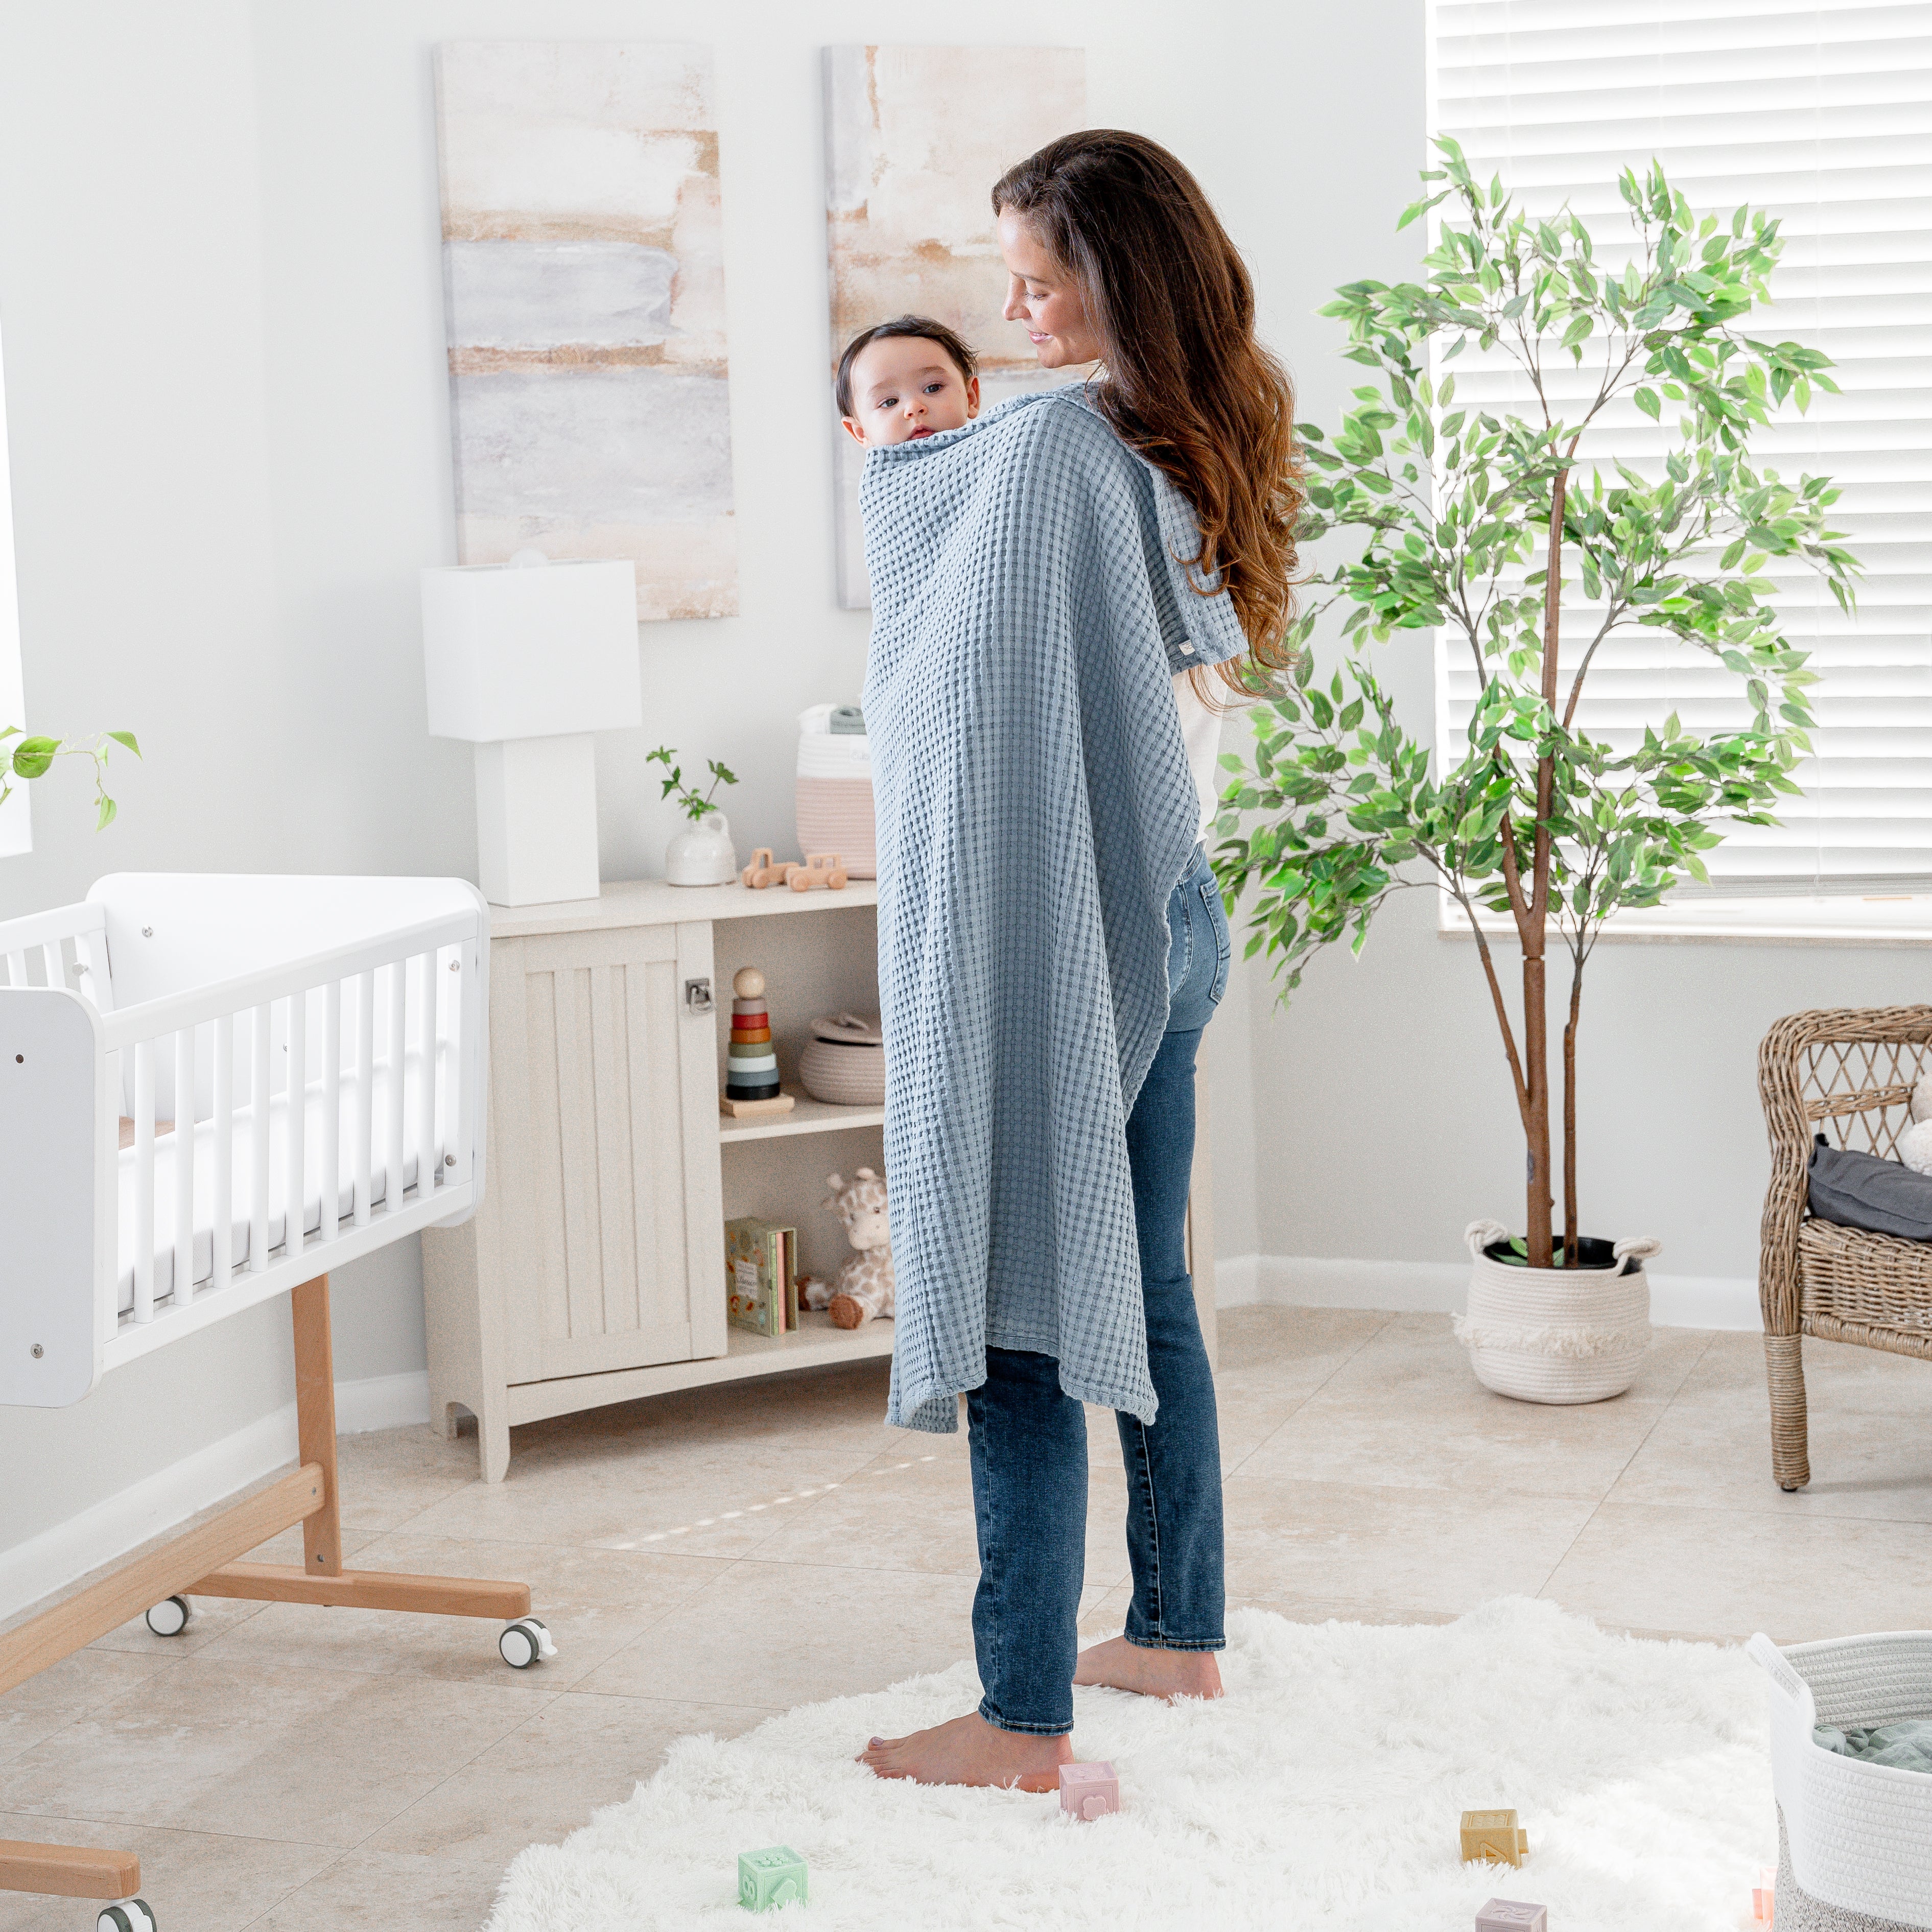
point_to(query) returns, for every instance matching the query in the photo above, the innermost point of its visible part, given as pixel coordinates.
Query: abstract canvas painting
(584, 287)
(915, 138)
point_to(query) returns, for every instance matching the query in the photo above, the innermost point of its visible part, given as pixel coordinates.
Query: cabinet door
(616, 1128)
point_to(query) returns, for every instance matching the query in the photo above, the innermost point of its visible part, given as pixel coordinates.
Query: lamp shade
(535, 650)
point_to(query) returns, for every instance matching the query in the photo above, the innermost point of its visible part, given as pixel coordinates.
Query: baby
(906, 379)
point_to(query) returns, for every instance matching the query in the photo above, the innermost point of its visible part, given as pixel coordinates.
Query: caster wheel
(131, 1914)
(524, 1642)
(169, 1618)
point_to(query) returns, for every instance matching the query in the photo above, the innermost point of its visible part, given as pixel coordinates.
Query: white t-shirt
(1201, 730)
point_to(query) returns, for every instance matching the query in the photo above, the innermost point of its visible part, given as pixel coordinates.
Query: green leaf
(32, 756)
(126, 738)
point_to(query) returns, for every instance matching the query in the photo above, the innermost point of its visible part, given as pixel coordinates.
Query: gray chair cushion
(1859, 1190)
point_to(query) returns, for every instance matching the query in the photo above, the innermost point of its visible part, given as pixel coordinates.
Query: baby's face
(904, 387)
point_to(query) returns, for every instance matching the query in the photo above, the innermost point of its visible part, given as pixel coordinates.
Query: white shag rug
(1324, 1790)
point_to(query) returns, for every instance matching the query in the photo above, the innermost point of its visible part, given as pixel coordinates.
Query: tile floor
(709, 1558)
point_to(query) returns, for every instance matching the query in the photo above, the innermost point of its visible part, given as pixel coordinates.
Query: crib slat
(364, 1097)
(428, 1158)
(222, 1189)
(90, 953)
(294, 1184)
(328, 1154)
(56, 967)
(17, 969)
(183, 1289)
(258, 1135)
(462, 1041)
(396, 1040)
(144, 1181)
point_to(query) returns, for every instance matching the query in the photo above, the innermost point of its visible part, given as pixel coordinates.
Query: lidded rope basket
(1857, 1837)
(844, 1061)
(1555, 1335)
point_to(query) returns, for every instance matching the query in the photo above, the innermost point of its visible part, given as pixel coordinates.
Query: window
(1821, 114)
(17, 831)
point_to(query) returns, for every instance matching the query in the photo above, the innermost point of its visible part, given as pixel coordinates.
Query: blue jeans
(1028, 1440)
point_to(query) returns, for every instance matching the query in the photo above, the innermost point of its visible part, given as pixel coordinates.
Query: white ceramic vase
(702, 854)
(1556, 1335)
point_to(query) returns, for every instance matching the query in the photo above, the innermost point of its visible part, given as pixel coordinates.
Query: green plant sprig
(693, 804)
(32, 757)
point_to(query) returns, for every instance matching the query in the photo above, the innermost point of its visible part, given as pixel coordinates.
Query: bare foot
(1165, 1674)
(969, 1750)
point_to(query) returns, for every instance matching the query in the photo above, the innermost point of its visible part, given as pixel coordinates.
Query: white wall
(219, 284)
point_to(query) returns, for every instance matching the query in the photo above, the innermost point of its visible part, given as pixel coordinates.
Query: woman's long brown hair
(1171, 301)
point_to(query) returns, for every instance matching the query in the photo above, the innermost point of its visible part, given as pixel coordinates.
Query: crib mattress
(241, 1198)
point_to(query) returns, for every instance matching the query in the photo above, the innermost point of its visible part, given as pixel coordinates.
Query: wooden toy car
(1493, 1835)
(820, 868)
(762, 871)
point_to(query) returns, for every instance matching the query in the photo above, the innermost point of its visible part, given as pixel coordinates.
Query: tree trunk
(1536, 1121)
(1535, 1016)
(1570, 1219)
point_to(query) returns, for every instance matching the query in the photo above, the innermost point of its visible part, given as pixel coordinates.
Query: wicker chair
(1851, 1073)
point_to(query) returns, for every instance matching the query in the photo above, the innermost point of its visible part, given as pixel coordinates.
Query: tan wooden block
(1494, 1836)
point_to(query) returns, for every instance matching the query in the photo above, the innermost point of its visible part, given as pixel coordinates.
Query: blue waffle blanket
(1035, 811)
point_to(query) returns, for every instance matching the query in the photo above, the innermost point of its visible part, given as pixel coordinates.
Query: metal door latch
(698, 996)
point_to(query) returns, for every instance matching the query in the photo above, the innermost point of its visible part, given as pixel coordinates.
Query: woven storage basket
(835, 794)
(845, 1061)
(1859, 1836)
(1556, 1335)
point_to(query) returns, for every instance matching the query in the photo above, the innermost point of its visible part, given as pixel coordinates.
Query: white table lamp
(525, 660)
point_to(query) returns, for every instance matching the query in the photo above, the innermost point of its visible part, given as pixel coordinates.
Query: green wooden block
(769, 1879)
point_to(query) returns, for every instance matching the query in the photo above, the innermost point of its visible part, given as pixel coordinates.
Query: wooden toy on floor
(863, 1286)
(769, 1879)
(820, 868)
(751, 1063)
(764, 870)
(1512, 1915)
(1089, 1790)
(1493, 1835)
(1763, 1905)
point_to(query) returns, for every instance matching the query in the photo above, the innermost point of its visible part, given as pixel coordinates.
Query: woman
(1050, 585)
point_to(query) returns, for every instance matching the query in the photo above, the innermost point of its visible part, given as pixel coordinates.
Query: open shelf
(807, 1116)
(818, 1339)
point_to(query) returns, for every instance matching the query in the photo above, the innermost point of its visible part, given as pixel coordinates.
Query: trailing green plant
(32, 758)
(693, 804)
(1489, 525)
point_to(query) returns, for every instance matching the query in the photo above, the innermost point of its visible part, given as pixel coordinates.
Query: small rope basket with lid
(844, 1061)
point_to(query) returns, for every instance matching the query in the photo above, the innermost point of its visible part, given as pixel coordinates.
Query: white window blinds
(1821, 114)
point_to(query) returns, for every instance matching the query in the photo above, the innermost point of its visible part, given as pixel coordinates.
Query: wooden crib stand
(213, 1089)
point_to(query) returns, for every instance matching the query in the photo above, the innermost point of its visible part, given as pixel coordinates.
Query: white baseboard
(1441, 1287)
(382, 1402)
(123, 1521)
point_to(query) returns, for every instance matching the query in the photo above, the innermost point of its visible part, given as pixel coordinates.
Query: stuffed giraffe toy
(864, 1284)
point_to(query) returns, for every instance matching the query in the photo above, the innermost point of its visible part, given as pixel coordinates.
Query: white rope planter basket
(1555, 1335)
(1859, 1835)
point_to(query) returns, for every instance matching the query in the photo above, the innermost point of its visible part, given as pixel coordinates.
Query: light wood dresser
(594, 1270)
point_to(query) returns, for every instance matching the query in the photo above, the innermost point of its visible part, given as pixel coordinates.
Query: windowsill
(1850, 920)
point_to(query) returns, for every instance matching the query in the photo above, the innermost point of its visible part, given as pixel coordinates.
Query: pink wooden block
(1089, 1790)
(1762, 1893)
(1512, 1915)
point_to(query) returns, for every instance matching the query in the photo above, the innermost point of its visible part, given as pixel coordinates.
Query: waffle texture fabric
(1035, 810)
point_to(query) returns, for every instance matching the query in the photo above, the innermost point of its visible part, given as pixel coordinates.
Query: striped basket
(1856, 1839)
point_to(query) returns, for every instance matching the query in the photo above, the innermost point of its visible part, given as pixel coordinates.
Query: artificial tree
(1487, 526)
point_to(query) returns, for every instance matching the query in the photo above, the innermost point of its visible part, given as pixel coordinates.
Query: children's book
(761, 1276)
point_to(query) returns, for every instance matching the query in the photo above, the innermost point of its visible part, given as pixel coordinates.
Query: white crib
(213, 1089)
